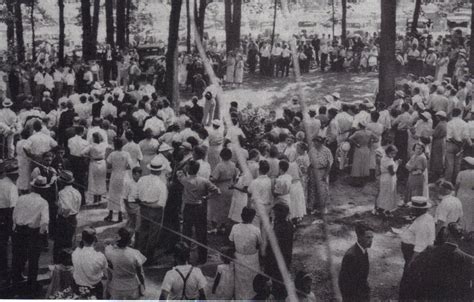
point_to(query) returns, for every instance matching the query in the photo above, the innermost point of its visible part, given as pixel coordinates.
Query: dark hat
(446, 185)
(318, 138)
(40, 182)
(11, 168)
(281, 208)
(66, 177)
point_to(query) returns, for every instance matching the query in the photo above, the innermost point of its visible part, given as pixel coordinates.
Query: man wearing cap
(152, 195)
(9, 118)
(69, 204)
(8, 200)
(30, 221)
(421, 233)
(457, 137)
(450, 208)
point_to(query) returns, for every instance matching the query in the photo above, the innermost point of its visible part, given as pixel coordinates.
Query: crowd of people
(91, 133)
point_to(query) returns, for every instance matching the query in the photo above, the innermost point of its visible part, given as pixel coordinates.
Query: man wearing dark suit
(355, 267)
(441, 272)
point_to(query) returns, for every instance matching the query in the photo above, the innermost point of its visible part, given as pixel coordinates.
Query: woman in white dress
(442, 67)
(97, 179)
(133, 149)
(388, 198)
(239, 70)
(247, 240)
(239, 197)
(182, 69)
(120, 162)
(297, 197)
(230, 68)
(148, 146)
(373, 58)
(24, 165)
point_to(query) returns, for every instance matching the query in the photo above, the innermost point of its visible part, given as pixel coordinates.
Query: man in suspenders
(184, 281)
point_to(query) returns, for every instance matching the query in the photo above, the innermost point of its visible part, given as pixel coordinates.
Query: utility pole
(333, 20)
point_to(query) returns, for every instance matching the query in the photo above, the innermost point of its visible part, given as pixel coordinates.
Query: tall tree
(33, 30)
(387, 52)
(109, 22)
(188, 27)
(87, 46)
(121, 22)
(20, 43)
(172, 86)
(200, 14)
(416, 16)
(95, 26)
(62, 35)
(344, 21)
(128, 18)
(274, 24)
(233, 16)
(471, 52)
(10, 21)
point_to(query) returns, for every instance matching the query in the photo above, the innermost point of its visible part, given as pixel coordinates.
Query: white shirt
(89, 266)
(152, 191)
(77, 145)
(39, 143)
(261, 190)
(108, 109)
(204, 169)
(173, 282)
(140, 115)
(282, 188)
(31, 210)
(8, 193)
(233, 133)
(83, 110)
(130, 190)
(69, 201)
(70, 79)
(421, 233)
(457, 129)
(285, 53)
(39, 78)
(48, 81)
(155, 124)
(449, 210)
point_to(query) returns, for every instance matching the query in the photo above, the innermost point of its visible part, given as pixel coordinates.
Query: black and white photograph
(247, 150)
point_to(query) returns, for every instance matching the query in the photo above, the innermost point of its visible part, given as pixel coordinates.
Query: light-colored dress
(125, 261)
(216, 138)
(24, 167)
(135, 153)
(246, 238)
(239, 72)
(223, 177)
(441, 68)
(388, 197)
(416, 182)
(465, 181)
(360, 166)
(230, 69)
(148, 148)
(377, 130)
(239, 199)
(298, 202)
(97, 179)
(120, 162)
(225, 289)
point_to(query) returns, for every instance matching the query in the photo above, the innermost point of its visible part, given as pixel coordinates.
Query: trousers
(26, 248)
(194, 215)
(150, 229)
(64, 235)
(5, 235)
(452, 162)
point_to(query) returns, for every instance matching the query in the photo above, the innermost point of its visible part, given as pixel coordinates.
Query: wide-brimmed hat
(318, 138)
(419, 202)
(363, 123)
(441, 113)
(216, 122)
(7, 103)
(469, 160)
(66, 177)
(156, 164)
(11, 168)
(164, 147)
(187, 146)
(40, 182)
(400, 93)
(426, 115)
(97, 86)
(336, 95)
(445, 185)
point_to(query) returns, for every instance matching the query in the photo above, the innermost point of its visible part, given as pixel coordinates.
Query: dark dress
(353, 275)
(442, 273)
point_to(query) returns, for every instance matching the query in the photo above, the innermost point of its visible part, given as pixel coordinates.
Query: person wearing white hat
(152, 196)
(421, 233)
(438, 146)
(9, 119)
(464, 191)
(30, 223)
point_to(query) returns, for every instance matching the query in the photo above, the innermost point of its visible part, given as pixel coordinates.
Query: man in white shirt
(450, 208)
(30, 223)
(265, 59)
(10, 119)
(457, 137)
(89, 265)
(69, 204)
(8, 200)
(421, 233)
(39, 143)
(108, 108)
(285, 61)
(154, 123)
(312, 123)
(152, 195)
(79, 166)
(39, 83)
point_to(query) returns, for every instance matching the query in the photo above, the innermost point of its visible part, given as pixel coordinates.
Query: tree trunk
(274, 25)
(109, 22)
(344, 22)
(471, 52)
(127, 26)
(86, 29)
(233, 15)
(10, 20)
(20, 43)
(172, 87)
(416, 16)
(33, 36)
(387, 52)
(199, 15)
(62, 35)
(188, 27)
(121, 22)
(95, 27)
